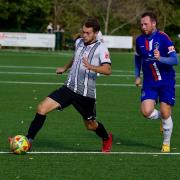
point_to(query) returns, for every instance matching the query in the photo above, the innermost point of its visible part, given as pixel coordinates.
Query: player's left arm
(104, 68)
(172, 58)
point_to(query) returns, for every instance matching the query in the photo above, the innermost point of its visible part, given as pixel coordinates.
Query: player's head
(148, 22)
(90, 30)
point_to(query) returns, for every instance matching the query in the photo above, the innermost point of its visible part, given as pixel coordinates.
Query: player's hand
(157, 54)
(86, 63)
(138, 81)
(60, 70)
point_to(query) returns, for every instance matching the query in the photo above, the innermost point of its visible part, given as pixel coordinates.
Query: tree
(115, 16)
(20, 15)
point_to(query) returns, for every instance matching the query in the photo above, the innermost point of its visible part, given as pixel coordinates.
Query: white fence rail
(27, 40)
(124, 42)
(41, 40)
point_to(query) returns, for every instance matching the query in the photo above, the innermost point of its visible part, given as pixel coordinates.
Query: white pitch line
(31, 53)
(64, 74)
(44, 67)
(47, 67)
(28, 67)
(31, 83)
(54, 74)
(60, 83)
(90, 152)
(27, 73)
(54, 68)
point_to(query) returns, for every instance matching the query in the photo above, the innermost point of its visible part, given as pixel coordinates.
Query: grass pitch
(71, 151)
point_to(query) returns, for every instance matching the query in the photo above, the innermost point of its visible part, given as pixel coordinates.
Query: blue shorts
(160, 93)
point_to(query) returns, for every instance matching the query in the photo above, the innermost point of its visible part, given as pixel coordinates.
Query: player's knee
(165, 115)
(41, 109)
(91, 125)
(146, 113)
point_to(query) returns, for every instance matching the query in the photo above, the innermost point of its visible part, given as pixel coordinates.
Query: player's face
(88, 34)
(147, 25)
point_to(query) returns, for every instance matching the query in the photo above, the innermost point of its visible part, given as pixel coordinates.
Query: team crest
(156, 45)
(106, 55)
(143, 94)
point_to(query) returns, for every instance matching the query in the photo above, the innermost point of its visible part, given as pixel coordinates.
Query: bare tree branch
(107, 16)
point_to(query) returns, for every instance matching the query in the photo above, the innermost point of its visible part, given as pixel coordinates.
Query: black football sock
(36, 125)
(101, 131)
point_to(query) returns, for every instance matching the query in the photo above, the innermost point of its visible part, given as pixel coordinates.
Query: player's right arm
(63, 69)
(137, 62)
(137, 65)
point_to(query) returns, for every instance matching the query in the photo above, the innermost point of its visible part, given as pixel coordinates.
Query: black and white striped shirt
(81, 80)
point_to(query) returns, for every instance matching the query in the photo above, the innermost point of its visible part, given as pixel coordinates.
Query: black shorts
(84, 105)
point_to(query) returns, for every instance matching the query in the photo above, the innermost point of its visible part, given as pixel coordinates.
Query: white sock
(167, 129)
(155, 115)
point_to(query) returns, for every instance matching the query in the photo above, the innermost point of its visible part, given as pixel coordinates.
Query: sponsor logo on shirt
(171, 49)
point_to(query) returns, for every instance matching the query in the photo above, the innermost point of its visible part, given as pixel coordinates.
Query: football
(19, 144)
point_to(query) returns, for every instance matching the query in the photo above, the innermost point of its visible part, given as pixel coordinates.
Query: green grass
(117, 108)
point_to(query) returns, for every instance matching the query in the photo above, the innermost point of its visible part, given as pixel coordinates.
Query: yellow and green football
(19, 144)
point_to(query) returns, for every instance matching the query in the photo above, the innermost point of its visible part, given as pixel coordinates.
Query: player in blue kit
(156, 55)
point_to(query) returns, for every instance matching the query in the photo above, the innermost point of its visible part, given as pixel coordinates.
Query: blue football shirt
(155, 71)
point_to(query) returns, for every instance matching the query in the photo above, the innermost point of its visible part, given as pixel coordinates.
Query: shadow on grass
(60, 145)
(134, 144)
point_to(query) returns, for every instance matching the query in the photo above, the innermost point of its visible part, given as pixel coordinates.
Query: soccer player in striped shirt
(156, 54)
(90, 57)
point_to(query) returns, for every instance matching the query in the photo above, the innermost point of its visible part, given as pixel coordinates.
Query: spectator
(100, 36)
(50, 28)
(59, 31)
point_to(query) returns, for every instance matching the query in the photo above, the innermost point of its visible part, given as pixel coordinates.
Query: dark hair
(92, 22)
(151, 15)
